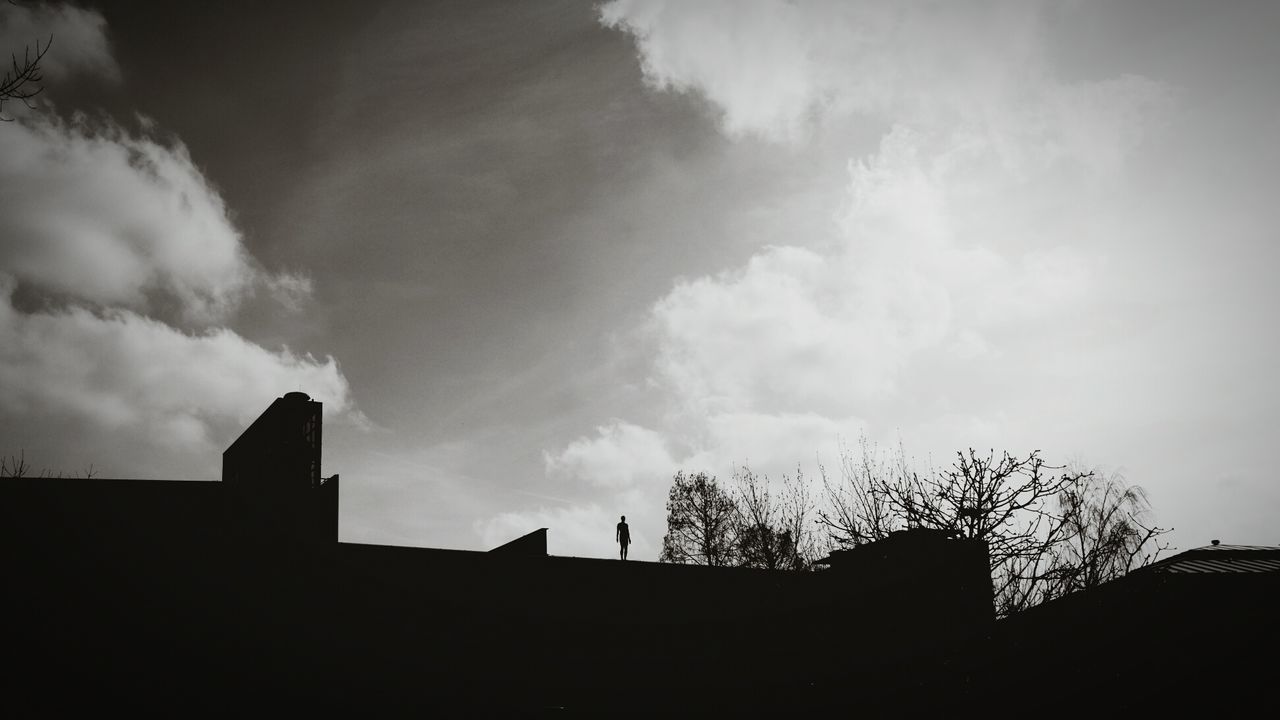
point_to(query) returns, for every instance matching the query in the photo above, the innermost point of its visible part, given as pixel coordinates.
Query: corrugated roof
(1222, 559)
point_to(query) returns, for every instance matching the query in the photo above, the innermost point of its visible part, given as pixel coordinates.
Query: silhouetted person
(624, 536)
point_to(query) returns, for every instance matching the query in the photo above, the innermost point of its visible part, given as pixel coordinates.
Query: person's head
(624, 518)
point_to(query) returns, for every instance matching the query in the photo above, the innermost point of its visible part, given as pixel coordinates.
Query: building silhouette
(1196, 632)
(271, 474)
(203, 597)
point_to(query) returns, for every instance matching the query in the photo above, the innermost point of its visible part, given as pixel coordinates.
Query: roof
(1219, 559)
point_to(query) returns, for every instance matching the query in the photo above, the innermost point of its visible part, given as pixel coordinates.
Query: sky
(534, 258)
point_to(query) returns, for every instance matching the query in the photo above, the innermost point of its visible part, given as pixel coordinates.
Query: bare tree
(1050, 530)
(1107, 534)
(702, 522)
(16, 466)
(775, 530)
(858, 509)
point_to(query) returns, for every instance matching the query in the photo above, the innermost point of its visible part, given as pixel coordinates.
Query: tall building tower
(272, 475)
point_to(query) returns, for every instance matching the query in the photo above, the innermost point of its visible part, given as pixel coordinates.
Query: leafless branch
(858, 509)
(774, 529)
(22, 80)
(15, 466)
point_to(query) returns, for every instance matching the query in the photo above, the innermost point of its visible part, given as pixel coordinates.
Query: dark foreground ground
(148, 601)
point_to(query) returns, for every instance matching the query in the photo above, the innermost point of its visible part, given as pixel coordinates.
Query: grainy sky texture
(536, 257)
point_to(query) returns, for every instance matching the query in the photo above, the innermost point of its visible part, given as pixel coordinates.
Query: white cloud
(799, 331)
(79, 37)
(959, 243)
(96, 214)
(620, 455)
(771, 443)
(129, 374)
(119, 267)
(291, 290)
(1100, 123)
(777, 69)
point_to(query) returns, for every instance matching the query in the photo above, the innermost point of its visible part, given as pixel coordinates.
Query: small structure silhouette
(624, 536)
(532, 545)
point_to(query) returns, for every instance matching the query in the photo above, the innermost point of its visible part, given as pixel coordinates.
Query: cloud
(620, 455)
(830, 331)
(627, 469)
(580, 531)
(780, 69)
(623, 467)
(958, 247)
(943, 246)
(101, 216)
(119, 271)
(1101, 123)
(292, 291)
(79, 37)
(126, 373)
(771, 443)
